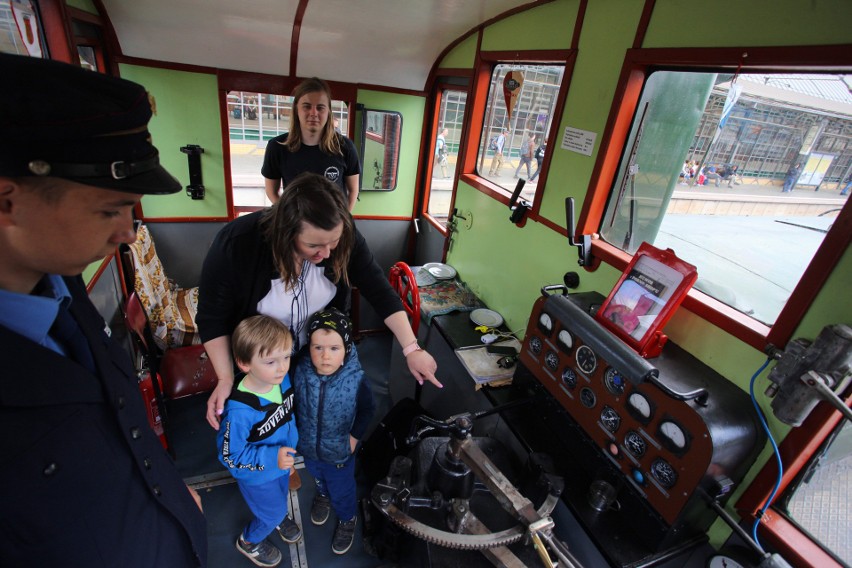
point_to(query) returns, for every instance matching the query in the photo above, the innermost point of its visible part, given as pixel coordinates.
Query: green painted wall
(187, 113)
(680, 23)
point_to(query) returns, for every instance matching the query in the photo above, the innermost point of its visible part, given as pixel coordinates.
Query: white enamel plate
(488, 318)
(440, 271)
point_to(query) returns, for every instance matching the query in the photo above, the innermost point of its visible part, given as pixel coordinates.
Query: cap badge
(39, 167)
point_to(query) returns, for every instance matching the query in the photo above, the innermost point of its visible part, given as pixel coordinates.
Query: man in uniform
(84, 480)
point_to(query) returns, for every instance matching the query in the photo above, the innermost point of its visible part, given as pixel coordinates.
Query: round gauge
(566, 340)
(587, 397)
(614, 381)
(664, 473)
(610, 419)
(535, 345)
(673, 434)
(635, 443)
(569, 377)
(586, 359)
(640, 405)
(545, 321)
(551, 359)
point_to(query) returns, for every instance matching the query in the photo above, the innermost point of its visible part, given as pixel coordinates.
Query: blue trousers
(268, 504)
(337, 481)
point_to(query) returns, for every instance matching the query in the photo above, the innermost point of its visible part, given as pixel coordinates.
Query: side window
(20, 29)
(518, 117)
(253, 119)
(445, 145)
(741, 176)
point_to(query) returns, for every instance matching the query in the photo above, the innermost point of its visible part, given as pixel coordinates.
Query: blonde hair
(259, 335)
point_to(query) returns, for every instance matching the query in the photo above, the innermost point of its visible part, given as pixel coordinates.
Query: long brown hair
(329, 141)
(309, 198)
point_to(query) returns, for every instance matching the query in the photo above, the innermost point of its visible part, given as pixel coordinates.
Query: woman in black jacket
(287, 262)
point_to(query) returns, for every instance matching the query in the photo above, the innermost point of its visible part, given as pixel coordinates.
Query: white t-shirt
(312, 292)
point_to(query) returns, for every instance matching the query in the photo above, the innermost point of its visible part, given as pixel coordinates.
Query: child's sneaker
(344, 534)
(320, 509)
(262, 553)
(289, 531)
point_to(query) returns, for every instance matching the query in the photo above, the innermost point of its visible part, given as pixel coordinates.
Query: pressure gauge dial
(673, 435)
(610, 419)
(588, 398)
(551, 359)
(565, 340)
(614, 381)
(545, 322)
(535, 345)
(639, 406)
(569, 378)
(635, 443)
(587, 361)
(664, 473)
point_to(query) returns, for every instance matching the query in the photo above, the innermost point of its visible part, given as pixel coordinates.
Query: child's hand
(353, 441)
(285, 457)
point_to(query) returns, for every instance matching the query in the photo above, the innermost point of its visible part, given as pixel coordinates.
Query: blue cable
(762, 510)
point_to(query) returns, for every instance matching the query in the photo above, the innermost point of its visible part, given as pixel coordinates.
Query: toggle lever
(519, 207)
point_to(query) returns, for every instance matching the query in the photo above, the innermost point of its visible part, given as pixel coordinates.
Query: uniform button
(120, 402)
(147, 463)
(51, 468)
(157, 491)
(135, 433)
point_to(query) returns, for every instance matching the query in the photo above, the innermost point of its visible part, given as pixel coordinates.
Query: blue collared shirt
(32, 316)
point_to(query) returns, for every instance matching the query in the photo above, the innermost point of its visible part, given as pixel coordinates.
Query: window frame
(800, 444)
(638, 65)
(246, 81)
(440, 90)
(478, 103)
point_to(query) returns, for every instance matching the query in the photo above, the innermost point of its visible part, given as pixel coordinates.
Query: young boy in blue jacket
(258, 435)
(335, 406)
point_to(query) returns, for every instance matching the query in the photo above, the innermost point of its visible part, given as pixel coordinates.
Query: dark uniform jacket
(84, 480)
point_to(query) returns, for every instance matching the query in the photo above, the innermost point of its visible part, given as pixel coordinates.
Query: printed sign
(580, 141)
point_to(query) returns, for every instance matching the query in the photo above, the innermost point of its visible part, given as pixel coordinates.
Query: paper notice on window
(580, 141)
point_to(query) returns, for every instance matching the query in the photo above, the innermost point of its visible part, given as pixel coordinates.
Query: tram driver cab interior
(638, 447)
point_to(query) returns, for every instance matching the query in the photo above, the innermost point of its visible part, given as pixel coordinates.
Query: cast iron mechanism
(459, 464)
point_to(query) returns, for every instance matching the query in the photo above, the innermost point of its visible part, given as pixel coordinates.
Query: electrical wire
(759, 513)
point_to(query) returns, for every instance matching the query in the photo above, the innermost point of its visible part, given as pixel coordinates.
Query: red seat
(184, 371)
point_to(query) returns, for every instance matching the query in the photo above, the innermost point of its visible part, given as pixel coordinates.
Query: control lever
(583, 242)
(518, 207)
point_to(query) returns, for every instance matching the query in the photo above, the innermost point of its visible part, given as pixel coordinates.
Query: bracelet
(411, 349)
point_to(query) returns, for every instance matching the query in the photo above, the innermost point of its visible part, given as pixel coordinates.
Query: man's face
(64, 236)
(313, 109)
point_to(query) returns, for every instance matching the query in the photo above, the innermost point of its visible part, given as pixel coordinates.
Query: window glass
(20, 29)
(510, 138)
(818, 502)
(740, 176)
(253, 119)
(445, 143)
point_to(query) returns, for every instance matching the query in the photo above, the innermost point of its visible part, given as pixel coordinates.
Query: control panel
(661, 429)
